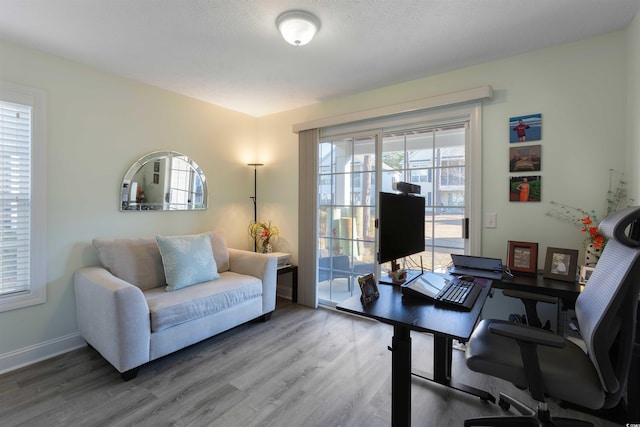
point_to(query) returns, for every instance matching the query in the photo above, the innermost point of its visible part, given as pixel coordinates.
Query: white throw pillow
(187, 260)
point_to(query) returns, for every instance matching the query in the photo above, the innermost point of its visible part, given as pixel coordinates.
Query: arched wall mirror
(164, 181)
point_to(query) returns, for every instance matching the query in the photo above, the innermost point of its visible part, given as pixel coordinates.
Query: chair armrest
(528, 339)
(113, 317)
(259, 265)
(528, 334)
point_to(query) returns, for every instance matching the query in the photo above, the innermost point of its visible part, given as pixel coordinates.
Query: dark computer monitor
(401, 226)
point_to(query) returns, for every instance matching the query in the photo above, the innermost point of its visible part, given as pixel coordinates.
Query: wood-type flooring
(303, 367)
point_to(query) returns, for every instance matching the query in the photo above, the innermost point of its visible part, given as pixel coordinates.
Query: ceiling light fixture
(298, 27)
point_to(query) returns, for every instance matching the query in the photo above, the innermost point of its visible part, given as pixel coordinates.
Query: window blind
(15, 197)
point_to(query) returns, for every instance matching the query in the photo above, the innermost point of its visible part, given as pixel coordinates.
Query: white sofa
(125, 311)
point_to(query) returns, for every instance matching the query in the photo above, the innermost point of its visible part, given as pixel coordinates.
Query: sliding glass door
(435, 159)
(441, 153)
(346, 221)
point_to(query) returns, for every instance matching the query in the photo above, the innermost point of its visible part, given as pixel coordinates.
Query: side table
(293, 269)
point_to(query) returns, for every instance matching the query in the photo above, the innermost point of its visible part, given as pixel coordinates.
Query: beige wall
(579, 88)
(99, 124)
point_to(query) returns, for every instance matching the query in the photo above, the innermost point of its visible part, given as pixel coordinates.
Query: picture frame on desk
(368, 287)
(522, 257)
(561, 264)
(585, 274)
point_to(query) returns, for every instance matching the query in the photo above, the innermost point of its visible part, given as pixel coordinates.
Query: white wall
(99, 124)
(579, 88)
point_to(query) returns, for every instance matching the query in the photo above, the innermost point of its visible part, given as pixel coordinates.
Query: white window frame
(35, 98)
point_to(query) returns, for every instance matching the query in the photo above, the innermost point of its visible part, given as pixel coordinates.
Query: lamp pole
(255, 198)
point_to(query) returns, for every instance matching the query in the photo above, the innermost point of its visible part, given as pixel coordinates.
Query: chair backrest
(606, 308)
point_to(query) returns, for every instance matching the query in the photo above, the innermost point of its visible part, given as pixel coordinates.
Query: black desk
(567, 291)
(409, 314)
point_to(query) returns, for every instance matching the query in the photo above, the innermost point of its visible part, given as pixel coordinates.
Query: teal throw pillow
(187, 260)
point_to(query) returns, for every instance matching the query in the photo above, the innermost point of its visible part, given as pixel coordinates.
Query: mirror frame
(127, 205)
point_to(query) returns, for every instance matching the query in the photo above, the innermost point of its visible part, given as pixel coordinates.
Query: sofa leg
(130, 374)
(266, 316)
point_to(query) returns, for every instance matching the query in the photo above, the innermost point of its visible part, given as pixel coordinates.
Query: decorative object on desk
(588, 221)
(522, 257)
(368, 287)
(560, 264)
(398, 276)
(263, 233)
(525, 188)
(585, 273)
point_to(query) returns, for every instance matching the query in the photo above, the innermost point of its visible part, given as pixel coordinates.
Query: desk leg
(442, 360)
(401, 377)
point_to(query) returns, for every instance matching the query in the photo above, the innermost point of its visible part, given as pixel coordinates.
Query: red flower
(598, 241)
(587, 220)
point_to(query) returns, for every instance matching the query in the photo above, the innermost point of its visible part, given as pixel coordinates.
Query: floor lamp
(255, 198)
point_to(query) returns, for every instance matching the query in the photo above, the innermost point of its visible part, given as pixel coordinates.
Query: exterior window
(22, 197)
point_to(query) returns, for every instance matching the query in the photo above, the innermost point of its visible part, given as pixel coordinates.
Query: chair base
(528, 417)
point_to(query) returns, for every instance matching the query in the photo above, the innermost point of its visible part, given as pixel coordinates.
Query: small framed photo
(525, 188)
(522, 257)
(369, 288)
(560, 264)
(525, 159)
(585, 274)
(525, 128)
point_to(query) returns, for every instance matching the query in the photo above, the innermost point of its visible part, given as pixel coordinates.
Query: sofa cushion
(134, 260)
(220, 251)
(169, 309)
(187, 260)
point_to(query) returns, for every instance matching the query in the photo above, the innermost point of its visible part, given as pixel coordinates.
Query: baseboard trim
(38, 352)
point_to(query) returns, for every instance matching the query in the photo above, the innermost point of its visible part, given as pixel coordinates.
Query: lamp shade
(297, 27)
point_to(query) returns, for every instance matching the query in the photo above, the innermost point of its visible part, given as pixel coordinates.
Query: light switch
(491, 220)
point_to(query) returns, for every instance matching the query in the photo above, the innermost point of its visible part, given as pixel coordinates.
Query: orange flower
(586, 220)
(598, 241)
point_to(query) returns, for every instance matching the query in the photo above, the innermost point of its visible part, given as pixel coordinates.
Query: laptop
(466, 265)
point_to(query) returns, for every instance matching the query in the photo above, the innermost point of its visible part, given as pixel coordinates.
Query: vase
(266, 248)
(591, 255)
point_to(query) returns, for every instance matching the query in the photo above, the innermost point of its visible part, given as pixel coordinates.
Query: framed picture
(525, 159)
(522, 257)
(369, 288)
(156, 166)
(525, 188)
(156, 178)
(585, 274)
(560, 264)
(525, 128)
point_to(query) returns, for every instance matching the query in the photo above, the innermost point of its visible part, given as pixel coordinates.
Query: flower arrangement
(588, 221)
(262, 233)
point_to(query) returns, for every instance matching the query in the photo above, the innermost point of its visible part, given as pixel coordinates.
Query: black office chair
(548, 364)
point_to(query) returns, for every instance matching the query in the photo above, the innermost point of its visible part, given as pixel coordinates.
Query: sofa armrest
(113, 317)
(262, 266)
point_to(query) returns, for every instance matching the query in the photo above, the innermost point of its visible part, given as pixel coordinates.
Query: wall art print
(525, 128)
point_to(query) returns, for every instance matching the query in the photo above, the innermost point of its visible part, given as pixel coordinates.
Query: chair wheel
(504, 404)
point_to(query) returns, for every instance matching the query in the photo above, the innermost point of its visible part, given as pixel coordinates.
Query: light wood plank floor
(304, 367)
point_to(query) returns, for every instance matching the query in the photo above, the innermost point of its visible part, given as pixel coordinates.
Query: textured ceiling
(229, 52)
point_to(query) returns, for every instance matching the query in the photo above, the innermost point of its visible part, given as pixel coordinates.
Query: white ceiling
(229, 52)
